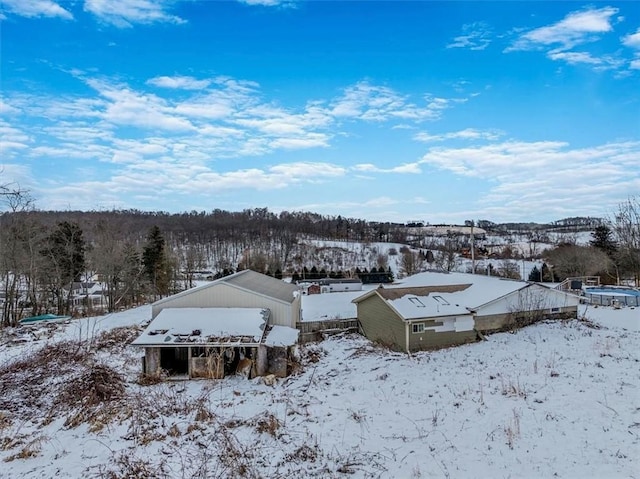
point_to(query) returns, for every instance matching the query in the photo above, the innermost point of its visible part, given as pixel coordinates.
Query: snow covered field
(557, 399)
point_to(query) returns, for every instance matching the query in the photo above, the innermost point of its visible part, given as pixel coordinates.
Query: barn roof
(263, 284)
(247, 280)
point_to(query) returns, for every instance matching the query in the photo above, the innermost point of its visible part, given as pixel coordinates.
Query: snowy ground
(555, 399)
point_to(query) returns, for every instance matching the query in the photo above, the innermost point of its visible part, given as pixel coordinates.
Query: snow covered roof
(481, 289)
(282, 336)
(415, 303)
(251, 281)
(263, 284)
(433, 294)
(174, 326)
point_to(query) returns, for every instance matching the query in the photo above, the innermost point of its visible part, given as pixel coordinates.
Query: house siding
(434, 340)
(430, 339)
(225, 296)
(499, 322)
(380, 323)
(500, 314)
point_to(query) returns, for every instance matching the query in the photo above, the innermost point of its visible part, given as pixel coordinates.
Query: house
(339, 285)
(431, 310)
(84, 294)
(244, 323)
(330, 285)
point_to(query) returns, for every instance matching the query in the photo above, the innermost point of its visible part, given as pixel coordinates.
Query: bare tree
(411, 262)
(574, 260)
(16, 252)
(626, 225)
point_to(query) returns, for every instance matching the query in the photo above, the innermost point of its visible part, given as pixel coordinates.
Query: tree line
(141, 256)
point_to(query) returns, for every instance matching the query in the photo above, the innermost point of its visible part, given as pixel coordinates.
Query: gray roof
(247, 280)
(262, 284)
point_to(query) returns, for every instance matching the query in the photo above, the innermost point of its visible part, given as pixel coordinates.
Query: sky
(387, 111)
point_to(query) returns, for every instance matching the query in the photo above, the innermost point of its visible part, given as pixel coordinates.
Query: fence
(315, 330)
(610, 300)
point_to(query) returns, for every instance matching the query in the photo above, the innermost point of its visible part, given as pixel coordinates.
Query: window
(555, 310)
(417, 302)
(418, 327)
(441, 300)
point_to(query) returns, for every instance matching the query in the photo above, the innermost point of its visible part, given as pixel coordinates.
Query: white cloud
(379, 103)
(632, 40)
(269, 3)
(604, 62)
(475, 36)
(125, 13)
(36, 8)
(12, 139)
(547, 174)
(412, 168)
(147, 143)
(179, 82)
(127, 107)
(310, 140)
(575, 29)
(466, 134)
(6, 109)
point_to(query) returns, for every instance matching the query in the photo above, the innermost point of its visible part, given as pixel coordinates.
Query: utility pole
(473, 255)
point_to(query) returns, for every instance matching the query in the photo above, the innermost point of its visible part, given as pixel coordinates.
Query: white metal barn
(244, 289)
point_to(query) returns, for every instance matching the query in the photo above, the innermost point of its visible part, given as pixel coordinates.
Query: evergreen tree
(535, 274)
(154, 261)
(603, 240)
(131, 273)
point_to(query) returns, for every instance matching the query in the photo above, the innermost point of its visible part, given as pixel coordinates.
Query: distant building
(330, 285)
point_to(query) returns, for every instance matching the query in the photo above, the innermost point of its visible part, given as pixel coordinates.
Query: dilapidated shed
(215, 342)
(243, 323)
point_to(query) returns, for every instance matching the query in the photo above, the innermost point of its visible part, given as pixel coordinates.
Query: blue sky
(389, 111)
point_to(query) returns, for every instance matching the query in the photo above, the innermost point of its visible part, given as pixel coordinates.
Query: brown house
(433, 310)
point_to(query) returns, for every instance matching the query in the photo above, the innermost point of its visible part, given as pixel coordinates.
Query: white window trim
(419, 326)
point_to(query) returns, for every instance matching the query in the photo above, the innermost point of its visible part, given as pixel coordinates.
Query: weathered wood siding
(316, 326)
(152, 361)
(316, 330)
(225, 296)
(380, 323)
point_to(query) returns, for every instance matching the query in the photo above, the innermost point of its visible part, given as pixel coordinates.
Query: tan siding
(380, 323)
(434, 340)
(497, 322)
(226, 296)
